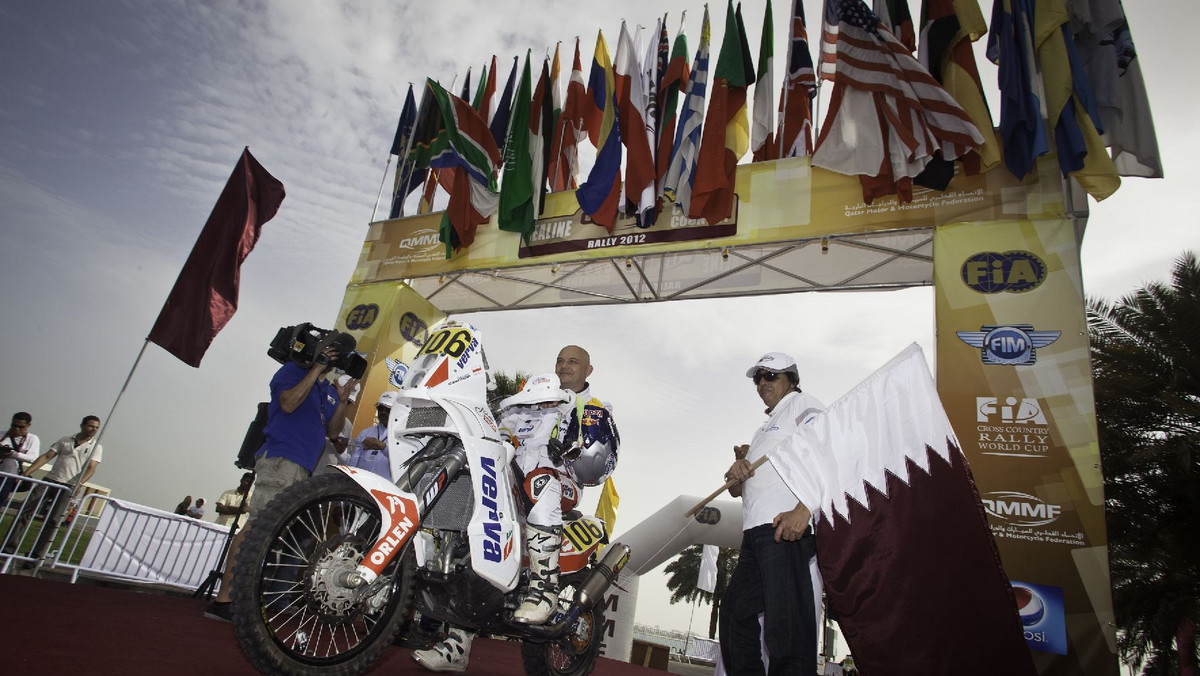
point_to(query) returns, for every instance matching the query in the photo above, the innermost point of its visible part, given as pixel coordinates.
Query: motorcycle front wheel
(572, 655)
(292, 613)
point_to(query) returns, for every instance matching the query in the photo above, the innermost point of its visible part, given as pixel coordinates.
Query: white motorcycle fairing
(494, 531)
(398, 513)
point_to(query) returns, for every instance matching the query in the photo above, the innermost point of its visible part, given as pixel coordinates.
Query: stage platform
(54, 627)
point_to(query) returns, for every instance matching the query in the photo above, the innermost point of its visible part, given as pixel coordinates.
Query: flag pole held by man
(908, 562)
(205, 295)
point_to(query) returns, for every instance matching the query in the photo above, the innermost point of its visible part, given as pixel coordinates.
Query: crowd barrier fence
(126, 542)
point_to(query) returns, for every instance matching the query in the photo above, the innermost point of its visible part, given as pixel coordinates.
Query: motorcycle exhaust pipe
(602, 576)
(591, 591)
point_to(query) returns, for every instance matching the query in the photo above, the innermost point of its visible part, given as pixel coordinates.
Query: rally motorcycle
(331, 571)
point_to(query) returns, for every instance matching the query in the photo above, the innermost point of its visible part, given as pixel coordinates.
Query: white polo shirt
(765, 495)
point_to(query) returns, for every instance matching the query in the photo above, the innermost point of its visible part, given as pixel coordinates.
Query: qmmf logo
(1011, 345)
(1019, 509)
(362, 316)
(420, 241)
(992, 272)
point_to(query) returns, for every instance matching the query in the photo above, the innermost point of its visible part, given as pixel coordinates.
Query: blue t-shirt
(300, 435)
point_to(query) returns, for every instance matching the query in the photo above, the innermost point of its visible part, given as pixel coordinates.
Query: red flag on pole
(205, 295)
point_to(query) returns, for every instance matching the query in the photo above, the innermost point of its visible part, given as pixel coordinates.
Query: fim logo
(398, 370)
(1011, 345)
(1019, 509)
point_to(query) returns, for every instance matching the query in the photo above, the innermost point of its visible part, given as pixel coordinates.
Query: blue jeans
(771, 578)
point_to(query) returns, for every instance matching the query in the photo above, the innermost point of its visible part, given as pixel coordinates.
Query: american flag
(877, 84)
(799, 88)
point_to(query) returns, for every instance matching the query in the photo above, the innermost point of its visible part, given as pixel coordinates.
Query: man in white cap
(370, 446)
(773, 575)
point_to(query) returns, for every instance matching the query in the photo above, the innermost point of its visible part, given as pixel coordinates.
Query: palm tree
(685, 570)
(1145, 352)
(506, 386)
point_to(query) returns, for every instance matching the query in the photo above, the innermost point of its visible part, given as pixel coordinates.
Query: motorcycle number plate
(583, 534)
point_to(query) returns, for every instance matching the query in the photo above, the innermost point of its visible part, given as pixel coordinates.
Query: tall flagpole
(96, 442)
(405, 169)
(382, 181)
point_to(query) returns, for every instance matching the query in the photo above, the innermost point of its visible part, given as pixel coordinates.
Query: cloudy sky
(120, 122)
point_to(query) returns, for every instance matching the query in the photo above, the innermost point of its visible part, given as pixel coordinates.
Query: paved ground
(129, 633)
(690, 669)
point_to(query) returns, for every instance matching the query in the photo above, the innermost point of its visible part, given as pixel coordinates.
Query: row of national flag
(893, 118)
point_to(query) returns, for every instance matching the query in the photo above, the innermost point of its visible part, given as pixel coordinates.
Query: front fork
(400, 508)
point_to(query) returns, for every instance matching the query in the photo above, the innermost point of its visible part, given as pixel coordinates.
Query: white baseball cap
(388, 399)
(539, 390)
(777, 362)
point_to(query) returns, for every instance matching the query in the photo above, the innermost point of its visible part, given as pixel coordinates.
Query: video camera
(305, 344)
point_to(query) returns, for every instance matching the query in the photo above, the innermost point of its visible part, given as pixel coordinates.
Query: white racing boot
(542, 597)
(451, 655)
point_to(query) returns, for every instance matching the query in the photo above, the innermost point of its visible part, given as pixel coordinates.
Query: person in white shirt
(196, 511)
(17, 446)
(75, 459)
(773, 575)
(370, 450)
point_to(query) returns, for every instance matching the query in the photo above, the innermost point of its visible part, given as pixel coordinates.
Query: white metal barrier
(134, 543)
(127, 541)
(28, 510)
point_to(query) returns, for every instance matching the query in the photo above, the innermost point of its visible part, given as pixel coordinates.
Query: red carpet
(53, 627)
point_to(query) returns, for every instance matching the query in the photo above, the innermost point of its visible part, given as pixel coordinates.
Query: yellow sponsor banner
(1015, 377)
(390, 321)
(778, 201)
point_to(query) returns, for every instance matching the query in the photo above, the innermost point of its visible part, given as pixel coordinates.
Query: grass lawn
(75, 547)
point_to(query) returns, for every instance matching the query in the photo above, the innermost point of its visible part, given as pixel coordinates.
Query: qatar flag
(911, 572)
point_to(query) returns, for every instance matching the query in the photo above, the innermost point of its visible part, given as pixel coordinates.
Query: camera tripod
(209, 586)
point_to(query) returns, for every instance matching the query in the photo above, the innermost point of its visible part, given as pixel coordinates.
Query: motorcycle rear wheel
(572, 655)
(290, 614)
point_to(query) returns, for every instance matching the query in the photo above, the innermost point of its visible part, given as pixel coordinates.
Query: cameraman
(305, 409)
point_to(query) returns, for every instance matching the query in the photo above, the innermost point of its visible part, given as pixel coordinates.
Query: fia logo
(413, 329)
(1011, 345)
(992, 272)
(1026, 412)
(362, 316)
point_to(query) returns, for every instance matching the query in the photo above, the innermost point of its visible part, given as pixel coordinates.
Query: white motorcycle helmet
(541, 389)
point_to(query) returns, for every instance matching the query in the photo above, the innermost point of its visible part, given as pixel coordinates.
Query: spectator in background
(17, 447)
(182, 508)
(235, 502)
(75, 461)
(196, 511)
(370, 447)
